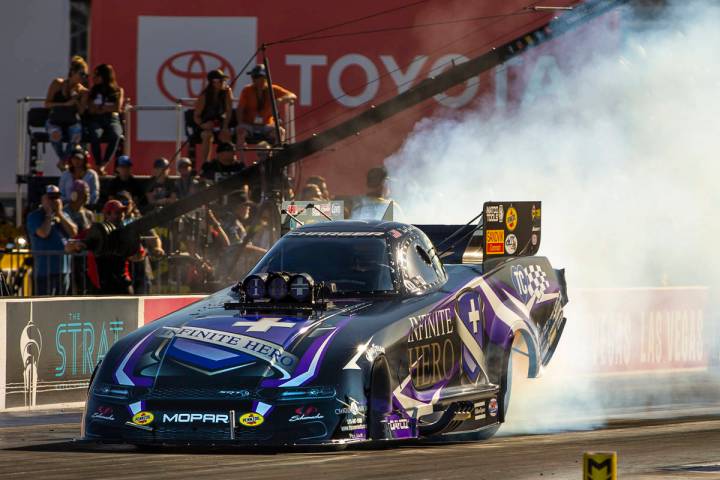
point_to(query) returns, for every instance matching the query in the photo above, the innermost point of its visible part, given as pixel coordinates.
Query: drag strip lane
(645, 451)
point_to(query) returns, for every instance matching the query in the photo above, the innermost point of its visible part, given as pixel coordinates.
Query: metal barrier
(24, 104)
(81, 273)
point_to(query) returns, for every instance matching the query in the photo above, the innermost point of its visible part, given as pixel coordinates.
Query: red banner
(156, 307)
(634, 330)
(162, 50)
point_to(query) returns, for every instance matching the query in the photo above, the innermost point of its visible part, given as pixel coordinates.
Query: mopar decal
(195, 417)
(263, 349)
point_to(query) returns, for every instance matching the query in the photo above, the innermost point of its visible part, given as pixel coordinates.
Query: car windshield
(353, 264)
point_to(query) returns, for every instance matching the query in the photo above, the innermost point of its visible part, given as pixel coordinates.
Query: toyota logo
(184, 75)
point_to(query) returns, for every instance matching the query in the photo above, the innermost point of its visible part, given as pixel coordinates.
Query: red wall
(118, 38)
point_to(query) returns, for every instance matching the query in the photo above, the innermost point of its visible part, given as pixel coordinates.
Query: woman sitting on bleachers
(66, 98)
(79, 169)
(104, 104)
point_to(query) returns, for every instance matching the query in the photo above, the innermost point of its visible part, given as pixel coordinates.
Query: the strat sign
(162, 51)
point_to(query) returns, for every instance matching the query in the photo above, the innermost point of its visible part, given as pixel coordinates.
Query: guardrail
(627, 347)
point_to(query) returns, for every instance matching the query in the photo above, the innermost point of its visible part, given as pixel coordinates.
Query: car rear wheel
(517, 368)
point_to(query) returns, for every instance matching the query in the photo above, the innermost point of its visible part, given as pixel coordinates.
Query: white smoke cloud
(622, 149)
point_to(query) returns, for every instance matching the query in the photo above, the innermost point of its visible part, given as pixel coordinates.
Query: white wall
(35, 47)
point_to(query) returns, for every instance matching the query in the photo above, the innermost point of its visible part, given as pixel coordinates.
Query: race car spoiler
(505, 229)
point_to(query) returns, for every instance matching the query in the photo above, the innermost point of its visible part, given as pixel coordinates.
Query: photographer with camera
(49, 228)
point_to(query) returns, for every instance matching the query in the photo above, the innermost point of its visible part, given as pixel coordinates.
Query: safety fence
(27, 273)
(49, 347)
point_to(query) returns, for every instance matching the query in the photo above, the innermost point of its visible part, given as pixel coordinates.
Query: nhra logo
(195, 417)
(191, 68)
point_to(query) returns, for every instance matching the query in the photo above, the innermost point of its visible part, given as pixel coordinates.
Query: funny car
(344, 332)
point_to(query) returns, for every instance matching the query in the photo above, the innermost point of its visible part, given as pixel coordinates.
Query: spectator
(67, 98)
(236, 226)
(105, 102)
(311, 193)
(125, 181)
(49, 228)
(79, 169)
(322, 185)
(225, 165)
(161, 189)
(185, 182)
(76, 209)
(254, 113)
(374, 204)
(141, 270)
(213, 111)
(114, 270)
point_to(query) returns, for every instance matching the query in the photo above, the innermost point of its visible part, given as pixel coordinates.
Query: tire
(379, 398)
(515, 366)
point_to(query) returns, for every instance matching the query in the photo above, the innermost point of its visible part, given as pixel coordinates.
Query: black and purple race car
(344, 332)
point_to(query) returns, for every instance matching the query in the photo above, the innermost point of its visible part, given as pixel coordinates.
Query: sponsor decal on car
(398, 424)
(535, 212)
(143, 418)
(372, 352)
(534, 239)
(103, 413)
(494, 213)
(306, 413)
(479, 411)
(495, 242)
(352, 408)
(272, 353)
(351, 428)
(511, 219)
(251, 419)
(511, 244)
(493, 407)
(195, 417)
(429, 339)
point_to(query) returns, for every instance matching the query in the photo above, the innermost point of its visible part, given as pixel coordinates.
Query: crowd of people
(194, 243)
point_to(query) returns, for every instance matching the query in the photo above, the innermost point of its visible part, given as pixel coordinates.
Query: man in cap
(50, 228)
(254, 113)
(125, 180)
(376, 204)
(213, 111)
(185, 182)
(114, 270)
(161, 189)
(225, 165)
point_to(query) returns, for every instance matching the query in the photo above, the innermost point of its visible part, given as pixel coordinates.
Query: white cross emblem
(264, 324)
(474, 315)
(300, 287)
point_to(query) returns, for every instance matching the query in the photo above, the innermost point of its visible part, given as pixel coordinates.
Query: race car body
(345, 331)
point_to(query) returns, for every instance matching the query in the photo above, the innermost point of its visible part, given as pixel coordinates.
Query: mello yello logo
(251, 419)
(143, 418)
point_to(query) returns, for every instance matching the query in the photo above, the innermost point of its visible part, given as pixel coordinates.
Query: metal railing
(23, 139)
(80, 274)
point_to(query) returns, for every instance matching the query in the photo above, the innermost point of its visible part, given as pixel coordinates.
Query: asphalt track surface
(43, 447)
